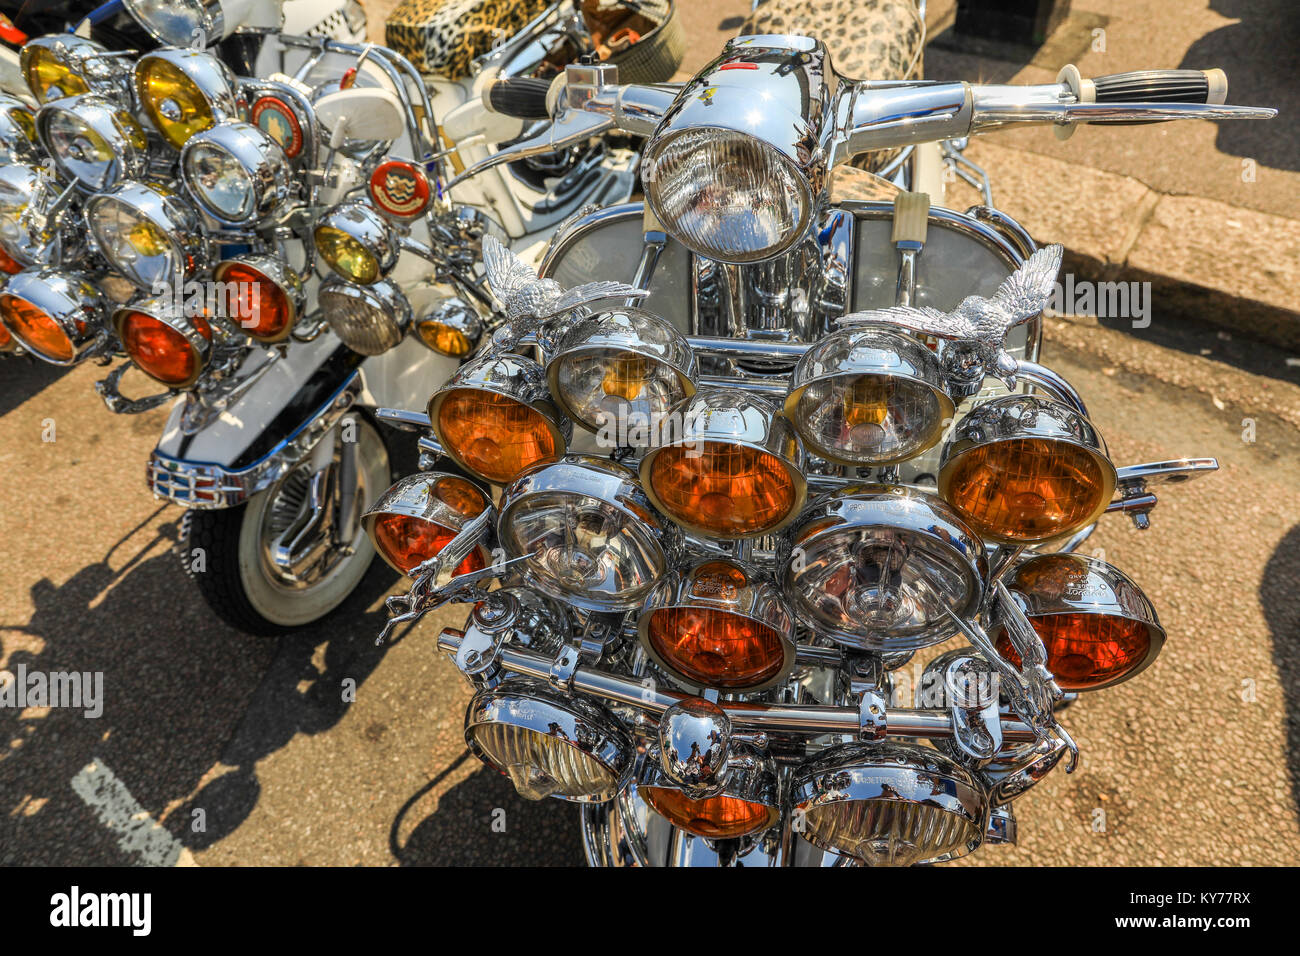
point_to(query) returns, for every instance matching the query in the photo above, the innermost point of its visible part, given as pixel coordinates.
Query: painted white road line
(138, 833)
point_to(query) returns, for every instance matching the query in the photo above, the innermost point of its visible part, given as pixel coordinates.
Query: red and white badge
(400, 189)
(276, 119)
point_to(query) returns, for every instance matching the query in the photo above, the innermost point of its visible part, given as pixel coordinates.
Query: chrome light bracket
(1134, 484)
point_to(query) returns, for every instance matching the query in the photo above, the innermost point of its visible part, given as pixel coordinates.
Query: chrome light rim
(731, 416)
(918, 514)
(905, 774)
(215, 81)
(279, 272)
(876, 352)
(369, 229)
(163, 311)
(577, 721)
(759, 601)
(383, 298)
(457, 315)
(416, 496)
(76, 306)
(17, 137)
(110, 121)
(749, 777)
(1018, 417)
(81, 55)
(615, 329)
(24, 179)
(260, 157)
(589, 477)
(212, 24)
(510, 376)
(176, 220)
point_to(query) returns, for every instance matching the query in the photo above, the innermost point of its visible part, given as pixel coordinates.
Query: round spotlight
(549, 744)
(417, 517)
(263, 296)
(57, 316)
(184, 92)
(882, 567)
(168, 347)
(1023, 470)
(63, 64)
(868, 397)
(719, 623)
(587, 532)
(619, 368)
(747, 803)
(369, 319)
(889, 804)
(93, 141)
(1098, 627)
(238, 174)
(734, 468)
(357, 243)
(452, 328)
(17, 132)
(147, 233)
(494, 417)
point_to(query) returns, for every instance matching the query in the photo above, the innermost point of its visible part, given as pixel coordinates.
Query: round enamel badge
(400, 189)
(274, 118)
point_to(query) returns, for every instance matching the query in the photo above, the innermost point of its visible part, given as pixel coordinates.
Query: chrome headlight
(417, 517)
(733, 170)
(1022, 470)
(182, 22)
(889, 804)
(262, 295)
(882, 568)
(57, 316)
(145, 233)
(748, 801)
(494, 417)
(357, 243)
(451, 328)
(734, 469)
(369, 319)
(868, 397)
(93, 140)
(19, 186)
(624, 368)
(587, 533)
(548, 743)
(1098, 627)
(17, 131)
(63, 64)
(169, 347)
(236, 173)
(184, 92)
(719, 623)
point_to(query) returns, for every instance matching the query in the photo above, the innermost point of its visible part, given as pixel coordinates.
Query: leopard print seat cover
(444, 37)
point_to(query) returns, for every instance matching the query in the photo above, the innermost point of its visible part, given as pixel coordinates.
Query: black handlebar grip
(1162, 86)
(521, 96)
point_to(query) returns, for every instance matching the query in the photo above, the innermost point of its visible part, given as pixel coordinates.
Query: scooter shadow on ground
(189, 705)
(1278, 587)
(24, 377)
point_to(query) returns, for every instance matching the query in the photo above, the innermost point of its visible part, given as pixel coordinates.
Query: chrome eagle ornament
(528, 301)
(980, 324)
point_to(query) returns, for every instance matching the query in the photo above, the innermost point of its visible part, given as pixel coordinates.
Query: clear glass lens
(726, 195)
(867, 419)
(137, 247)
(540, 765)
(888, 832)
(81, 151)
(363, 327)
(618, 387)
(880, 583)
(220, 182)
(175, 22)
(586, 548)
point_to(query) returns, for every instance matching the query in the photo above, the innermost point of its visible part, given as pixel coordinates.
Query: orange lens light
(6, 340)
(1085, 651)
(160, 351)
(1026, 489)
(493, 436)
(717, 817)
(7, 264)
(715, 648)
(727, 490)
(257, 304)
(443, 339)
(408, 542)
(36, 329)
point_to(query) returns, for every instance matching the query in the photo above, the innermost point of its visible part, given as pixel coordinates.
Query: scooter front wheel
(290, 555)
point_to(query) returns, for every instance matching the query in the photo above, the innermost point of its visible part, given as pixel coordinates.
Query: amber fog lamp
(417, 517)
(868, 397)
(183, 92)
(17, 131)
(883, 568)
(620, 369)
(586, 532)
(452, 328)
(1022, 470)
(357, 243)
(720, 623)
(494, 417)
(1098, 627)
(166, 345)
(63, 64)
(549, 744)
(262, 295)
(57, 316)
(746, 804)
(889, 804)
(727, 466)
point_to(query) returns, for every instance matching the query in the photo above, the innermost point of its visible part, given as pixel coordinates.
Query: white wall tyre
(234, 564)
